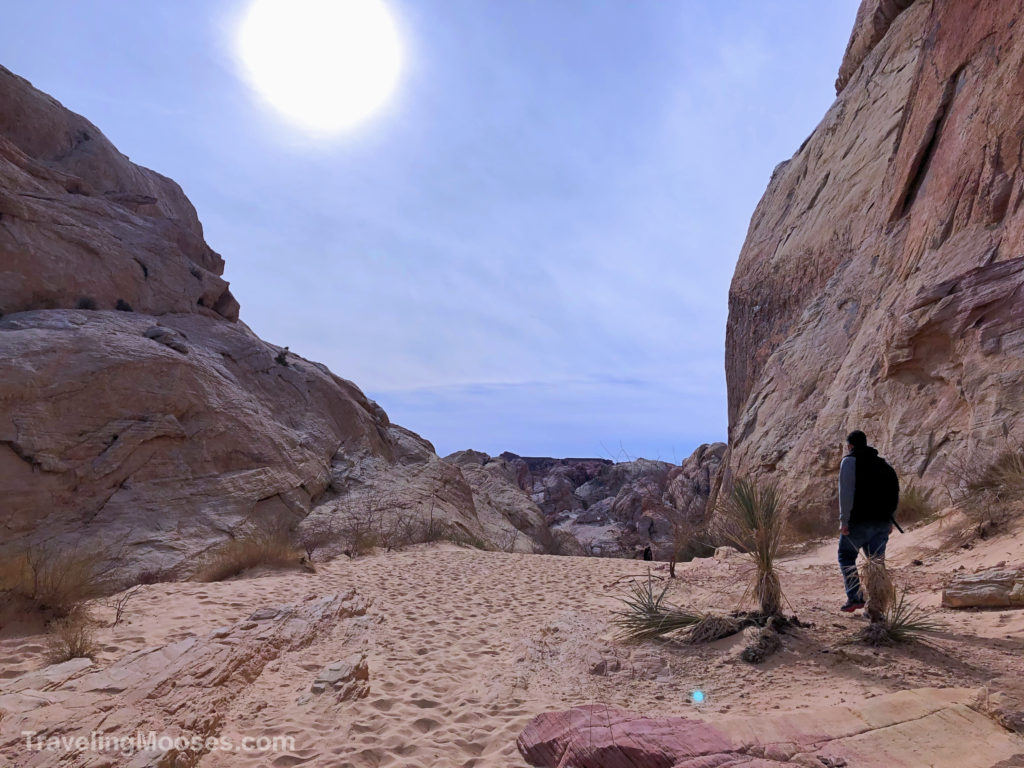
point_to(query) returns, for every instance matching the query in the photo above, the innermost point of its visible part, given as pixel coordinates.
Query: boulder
(887, 730)
(993, 588)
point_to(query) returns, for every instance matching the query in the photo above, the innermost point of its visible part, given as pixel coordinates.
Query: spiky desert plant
(906, 621)
(903, 622)
(647, 615)
(754, 520)
(877, 583)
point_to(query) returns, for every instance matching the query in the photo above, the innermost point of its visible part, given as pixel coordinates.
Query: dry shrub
(810, 523)
(877, 583)
(71, 637)
(914, 507)
(56, 579)
(989, 494)
(689, 540)
(713, 627)
(267, 547)
(753, 519)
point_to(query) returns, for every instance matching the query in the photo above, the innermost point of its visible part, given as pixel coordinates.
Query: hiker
(648, 553)
(868, 495)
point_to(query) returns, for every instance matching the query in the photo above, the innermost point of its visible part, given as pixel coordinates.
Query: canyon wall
(881, 284)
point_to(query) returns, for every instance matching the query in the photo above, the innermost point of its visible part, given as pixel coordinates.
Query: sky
(529, 247)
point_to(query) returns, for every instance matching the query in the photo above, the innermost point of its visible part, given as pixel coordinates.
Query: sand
(465, 647)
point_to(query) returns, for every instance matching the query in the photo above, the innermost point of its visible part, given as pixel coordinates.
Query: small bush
(914, 506)
(989, 494)
(71, 637)
(123, 306)
(271, 548)
(55, 579)
(86, 302)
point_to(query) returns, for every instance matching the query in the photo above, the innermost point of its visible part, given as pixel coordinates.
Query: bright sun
(324, 64)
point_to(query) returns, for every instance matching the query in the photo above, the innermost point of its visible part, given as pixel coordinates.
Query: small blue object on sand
(697, 696)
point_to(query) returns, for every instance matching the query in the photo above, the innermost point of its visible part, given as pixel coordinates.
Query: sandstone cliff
(161, 430)
(880, 284)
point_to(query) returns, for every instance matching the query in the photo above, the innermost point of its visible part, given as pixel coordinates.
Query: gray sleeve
(847, 483)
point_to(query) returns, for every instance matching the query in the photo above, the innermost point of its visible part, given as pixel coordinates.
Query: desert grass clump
(914, 506)
(271, 547)
(55, 579)
(71, 637)
(753, 519)
(647, 615)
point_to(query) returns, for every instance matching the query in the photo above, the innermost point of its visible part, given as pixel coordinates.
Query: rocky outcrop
(610, 509)
(992, 588)
(81, 225)
(137, 415)
(178, 691)
(888, 730)
(881, 284)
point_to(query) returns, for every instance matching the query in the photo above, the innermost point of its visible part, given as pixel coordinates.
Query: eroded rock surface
(894, 730)
(180, 690)
(881, 284)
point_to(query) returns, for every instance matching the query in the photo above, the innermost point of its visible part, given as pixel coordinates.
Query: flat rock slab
(994, 588)
(927, 726)
(178, 690)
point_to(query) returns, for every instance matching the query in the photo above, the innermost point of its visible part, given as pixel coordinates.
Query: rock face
(610, 509)
(881, 284)
(888, 730)
(994, 588)
(81, 224)
(160, 430)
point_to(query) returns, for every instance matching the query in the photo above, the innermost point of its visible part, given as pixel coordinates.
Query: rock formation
(991, 588)
(610, 509)
(178, 691)
(881, 284)
(891, 730)
(137, 413)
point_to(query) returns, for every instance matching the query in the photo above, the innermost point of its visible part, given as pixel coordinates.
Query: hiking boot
(851, 606)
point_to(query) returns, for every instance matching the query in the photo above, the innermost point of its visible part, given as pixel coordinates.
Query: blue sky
(529, 248)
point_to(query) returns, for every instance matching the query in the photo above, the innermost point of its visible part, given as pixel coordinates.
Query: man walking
(868, 495)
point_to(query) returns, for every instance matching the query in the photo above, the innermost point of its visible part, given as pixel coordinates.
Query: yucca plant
(753, 519)
(647, 615)
(903, 622)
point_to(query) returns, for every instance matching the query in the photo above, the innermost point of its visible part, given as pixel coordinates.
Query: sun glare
(324, 64)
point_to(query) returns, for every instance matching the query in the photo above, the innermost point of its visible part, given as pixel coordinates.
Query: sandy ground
(465, 647)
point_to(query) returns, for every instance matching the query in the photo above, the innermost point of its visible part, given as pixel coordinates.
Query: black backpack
(877, 493)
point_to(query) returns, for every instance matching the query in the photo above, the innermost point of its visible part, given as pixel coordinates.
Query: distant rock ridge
(881, 284)
(608, 508)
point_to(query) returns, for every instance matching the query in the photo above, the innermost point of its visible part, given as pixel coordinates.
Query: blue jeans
(872, 538)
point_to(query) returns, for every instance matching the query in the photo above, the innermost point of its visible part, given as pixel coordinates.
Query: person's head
(856, 440)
